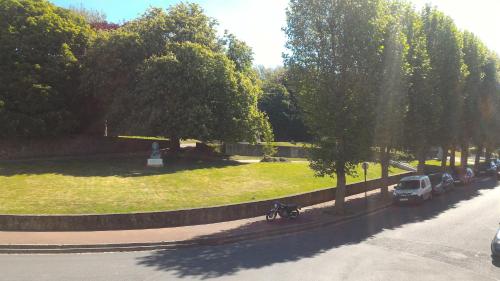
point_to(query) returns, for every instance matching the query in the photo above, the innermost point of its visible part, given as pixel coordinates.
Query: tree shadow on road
(216, 261)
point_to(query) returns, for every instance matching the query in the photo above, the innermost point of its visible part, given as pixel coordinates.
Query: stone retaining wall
(174, 218)
(22, 148)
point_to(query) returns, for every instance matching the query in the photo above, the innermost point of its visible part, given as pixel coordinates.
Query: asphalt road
(445, 239)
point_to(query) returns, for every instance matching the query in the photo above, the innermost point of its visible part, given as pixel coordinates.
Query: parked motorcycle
(289, 211)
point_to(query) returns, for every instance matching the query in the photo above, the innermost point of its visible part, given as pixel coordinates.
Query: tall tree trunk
(444, 158)
(340, 190)
(478, 155)
(385, 158)
(464, 157)
(421, 162)
(452, 156)
(175, 144)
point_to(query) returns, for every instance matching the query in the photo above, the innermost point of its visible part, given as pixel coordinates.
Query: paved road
(446, 239)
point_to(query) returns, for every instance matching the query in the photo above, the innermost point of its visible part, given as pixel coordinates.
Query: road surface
(445, 239)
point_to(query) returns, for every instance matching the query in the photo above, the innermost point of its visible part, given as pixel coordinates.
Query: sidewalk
(217, 233)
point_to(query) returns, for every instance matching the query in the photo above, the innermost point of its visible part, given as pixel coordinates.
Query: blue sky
(259, 22)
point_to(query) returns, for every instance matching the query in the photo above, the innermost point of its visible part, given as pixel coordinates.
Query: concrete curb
(204, 241)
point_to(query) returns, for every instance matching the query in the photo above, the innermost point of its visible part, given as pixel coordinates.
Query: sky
(259, 22)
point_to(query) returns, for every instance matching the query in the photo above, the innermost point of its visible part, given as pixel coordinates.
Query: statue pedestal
(155, 162)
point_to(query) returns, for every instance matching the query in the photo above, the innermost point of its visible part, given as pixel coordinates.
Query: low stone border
(177, 217)
(203, 241)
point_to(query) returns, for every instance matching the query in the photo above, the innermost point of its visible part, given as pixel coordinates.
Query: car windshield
(406, 185)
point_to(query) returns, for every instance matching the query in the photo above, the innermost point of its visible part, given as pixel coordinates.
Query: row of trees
(376, 76)
(166, 73)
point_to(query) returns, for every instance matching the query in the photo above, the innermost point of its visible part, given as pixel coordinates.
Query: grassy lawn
(119, 185)
(284, 143)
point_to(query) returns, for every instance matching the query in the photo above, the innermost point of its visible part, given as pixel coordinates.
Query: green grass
(121, 185)
(285, 143)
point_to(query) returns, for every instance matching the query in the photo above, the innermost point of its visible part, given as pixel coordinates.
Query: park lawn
(285, 143)
(122, 185)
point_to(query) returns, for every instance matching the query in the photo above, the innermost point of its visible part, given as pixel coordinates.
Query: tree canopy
(41, 49)
(280, 102)
(335, 52)
(167, 73)
(374, 76)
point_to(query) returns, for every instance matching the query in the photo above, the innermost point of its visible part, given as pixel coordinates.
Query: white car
(413, 189)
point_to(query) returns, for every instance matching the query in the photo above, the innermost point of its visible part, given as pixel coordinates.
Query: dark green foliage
(41, 48)
(334, 50)
(420, 118)
(166, 73)
(281, 105)
(444, 46)
(190, 92)
(238, 51)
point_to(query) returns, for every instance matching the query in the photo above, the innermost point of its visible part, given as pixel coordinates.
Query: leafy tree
(96, 18)
(92, 16)
(191, 92)
(238, 51)
(167, 73)
(489, 103)
(109, 69)
(444, 46)
(281, 105)
(470, 121)
(334, 48)
(41, 48)
(391, 95)
(420, 118)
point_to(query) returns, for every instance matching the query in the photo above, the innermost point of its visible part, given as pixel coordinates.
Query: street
(447, 238)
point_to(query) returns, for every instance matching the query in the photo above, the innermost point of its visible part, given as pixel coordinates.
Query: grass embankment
(120, 185)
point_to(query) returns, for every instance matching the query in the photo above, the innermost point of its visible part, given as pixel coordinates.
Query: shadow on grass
(105, 166)
(217, 261)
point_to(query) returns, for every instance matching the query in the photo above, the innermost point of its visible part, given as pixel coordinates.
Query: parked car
(414, 189)
(497, 163)
(461, 176)
(441, 182)
(487, 168)
(495, 246)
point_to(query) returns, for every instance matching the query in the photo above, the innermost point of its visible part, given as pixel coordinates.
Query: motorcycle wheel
(294, 214)
(270, 216)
